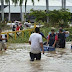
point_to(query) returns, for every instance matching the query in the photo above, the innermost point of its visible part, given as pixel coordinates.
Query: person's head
(37, 30)
(13, 25)
(0, 30)
(17, 25)
(60, 30)
(52, 31)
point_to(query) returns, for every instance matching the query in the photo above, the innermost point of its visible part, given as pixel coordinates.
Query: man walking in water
(36, 43)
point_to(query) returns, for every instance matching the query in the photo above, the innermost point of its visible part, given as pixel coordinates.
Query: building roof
(16, 9)
(4, 6)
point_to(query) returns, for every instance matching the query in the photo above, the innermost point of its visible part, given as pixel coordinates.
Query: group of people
(36, 42)
(53, 39)
(57, 40)
(17, 27)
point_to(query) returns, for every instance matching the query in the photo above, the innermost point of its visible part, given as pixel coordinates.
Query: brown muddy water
(16, 59)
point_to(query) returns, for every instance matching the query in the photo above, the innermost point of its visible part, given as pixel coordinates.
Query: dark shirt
(51, 39)
(61, 36)
(61, 39)
(13, 29)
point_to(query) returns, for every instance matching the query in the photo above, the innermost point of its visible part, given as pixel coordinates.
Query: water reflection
(16, 59)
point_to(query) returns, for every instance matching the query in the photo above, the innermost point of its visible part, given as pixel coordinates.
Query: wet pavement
(16, 59)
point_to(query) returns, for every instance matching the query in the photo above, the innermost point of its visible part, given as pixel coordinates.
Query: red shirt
(17, 29)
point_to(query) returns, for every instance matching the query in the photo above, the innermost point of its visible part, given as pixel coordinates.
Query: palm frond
(7, 1)
(15, 1)
(32, 1)
(21, 2)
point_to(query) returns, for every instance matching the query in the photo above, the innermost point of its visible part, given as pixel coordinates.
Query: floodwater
(16, 59)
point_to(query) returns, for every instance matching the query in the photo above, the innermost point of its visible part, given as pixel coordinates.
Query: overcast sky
(51, 2)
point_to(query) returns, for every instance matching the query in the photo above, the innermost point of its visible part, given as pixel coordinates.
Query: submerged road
(16, 59)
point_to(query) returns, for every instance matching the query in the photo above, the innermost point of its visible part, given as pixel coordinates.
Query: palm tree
(8, 2)
(15, 2)
(47, 9)
(2, 9)
(26, 5)
(64, 4)
(20, 3)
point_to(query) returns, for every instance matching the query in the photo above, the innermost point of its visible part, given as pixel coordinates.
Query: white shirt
(35, 39)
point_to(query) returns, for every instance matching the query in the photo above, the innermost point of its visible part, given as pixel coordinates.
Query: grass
(20, 38)
(4, 26)
(44, 30)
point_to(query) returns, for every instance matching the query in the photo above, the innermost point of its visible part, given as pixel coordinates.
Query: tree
(2, 9)
(59, 17)
(56, 17)
(15, 2)
(26, 4)
(8, 2)
(64, 4)
(39, 15)
(47, 9)
(20, 3)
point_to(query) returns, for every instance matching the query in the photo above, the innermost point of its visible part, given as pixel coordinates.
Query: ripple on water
(16, 59)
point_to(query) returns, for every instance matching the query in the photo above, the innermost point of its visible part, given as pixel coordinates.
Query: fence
(22, 31)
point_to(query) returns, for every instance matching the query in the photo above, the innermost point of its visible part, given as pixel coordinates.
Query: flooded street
(17, 59)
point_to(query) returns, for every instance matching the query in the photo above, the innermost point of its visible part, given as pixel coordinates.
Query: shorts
(2, 46)
(37, 56)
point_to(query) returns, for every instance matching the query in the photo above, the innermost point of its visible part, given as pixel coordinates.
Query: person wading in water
(36, 43)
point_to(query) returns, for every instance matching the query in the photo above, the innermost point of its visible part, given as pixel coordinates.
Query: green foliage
(19, 38)
(39, 15)
(4, 26)
(45, 30)
(59, 17)
(15, 1)
(7, 1)
(56, 17)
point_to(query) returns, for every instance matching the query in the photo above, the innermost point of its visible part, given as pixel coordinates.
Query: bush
(39, 15)
(4, 26)
(19, 38)
(57, 18)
